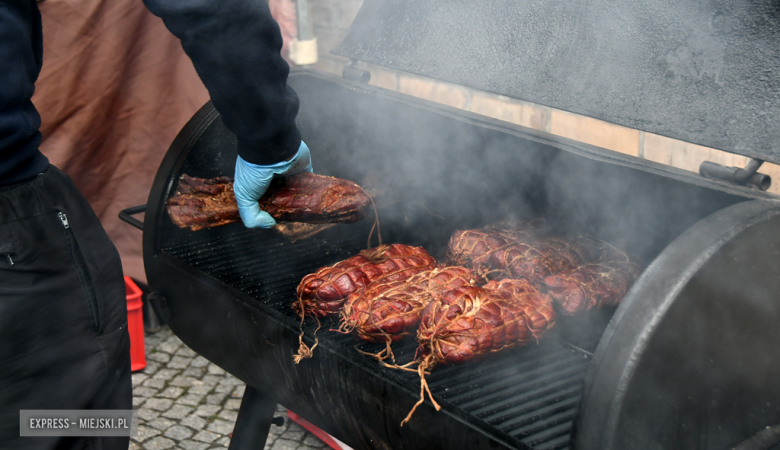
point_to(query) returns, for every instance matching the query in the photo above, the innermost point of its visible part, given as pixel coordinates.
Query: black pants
(63, 318)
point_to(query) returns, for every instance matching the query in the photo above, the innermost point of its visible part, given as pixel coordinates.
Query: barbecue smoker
(688, 360)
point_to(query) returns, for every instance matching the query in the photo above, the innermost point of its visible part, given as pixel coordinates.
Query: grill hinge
(748, 176)
(350, 72)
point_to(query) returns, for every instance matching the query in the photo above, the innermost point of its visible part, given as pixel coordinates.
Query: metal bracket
(350, 72)
(748, 176)
(126, 216)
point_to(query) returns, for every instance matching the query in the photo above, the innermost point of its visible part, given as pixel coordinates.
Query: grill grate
(528, 394)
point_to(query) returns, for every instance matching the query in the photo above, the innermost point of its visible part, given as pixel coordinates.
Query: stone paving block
(224, 440)
(139, 378)
(192, 445)
(160, 423)
(199, 361)
(165, 374)
(181, 381)
(276, 431)
(186, 352)
(239, 391)
(230, 416)
(151, 367)
(146, 414)
(220, 427)
(199, 388)
(143, 391)
(189, 399)
(171, 392)
(294, 432)
(178, 433)
(207, 410)
(215, 369)
(138, 401)
(150, 340)
(233, 404)
(158, 404)
(194, 421)
(156, 338)
(170, 345)
(179, 362)
(158, 443)
(177, 412)
(206, 436)
(223, 388)
(284, 444)
(145, 433)
(155, 383)
(160, 357)
(215, 399)
(194, 372)
(232, 381)
(313, 441)
(134, 446)
(211, 380)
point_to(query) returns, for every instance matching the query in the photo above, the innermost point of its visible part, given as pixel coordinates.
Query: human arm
(235, 48)
(21, 51)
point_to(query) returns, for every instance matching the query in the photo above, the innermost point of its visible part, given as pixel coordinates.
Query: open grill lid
(705, 71)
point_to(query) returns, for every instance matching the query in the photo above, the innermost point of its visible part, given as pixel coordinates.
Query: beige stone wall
(332, 18)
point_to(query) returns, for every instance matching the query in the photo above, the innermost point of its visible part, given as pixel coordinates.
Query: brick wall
(332, 18)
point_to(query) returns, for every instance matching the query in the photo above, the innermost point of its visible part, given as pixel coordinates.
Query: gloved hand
(252, 181)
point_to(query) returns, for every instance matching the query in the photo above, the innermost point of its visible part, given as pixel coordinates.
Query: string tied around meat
(376, 221)
(382, 355)
(347, 327)
(426, 363)
(304, 351)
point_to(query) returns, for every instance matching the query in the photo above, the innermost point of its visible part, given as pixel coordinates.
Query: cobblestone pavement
(186, 402)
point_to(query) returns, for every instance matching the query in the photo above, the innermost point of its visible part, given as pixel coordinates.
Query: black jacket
(234, 46)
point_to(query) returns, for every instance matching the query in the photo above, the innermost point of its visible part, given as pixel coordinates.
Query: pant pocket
(82, 269)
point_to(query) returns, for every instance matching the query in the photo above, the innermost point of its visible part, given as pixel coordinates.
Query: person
(235, 47)
(63, 324)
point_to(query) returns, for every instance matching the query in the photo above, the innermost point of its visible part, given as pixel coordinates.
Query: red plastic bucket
(135, 325)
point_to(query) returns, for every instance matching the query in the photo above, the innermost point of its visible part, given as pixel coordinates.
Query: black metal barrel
(227, 291)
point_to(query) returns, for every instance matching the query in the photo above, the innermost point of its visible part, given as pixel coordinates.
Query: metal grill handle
(127, 216)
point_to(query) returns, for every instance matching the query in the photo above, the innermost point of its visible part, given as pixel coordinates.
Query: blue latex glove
(252, 181)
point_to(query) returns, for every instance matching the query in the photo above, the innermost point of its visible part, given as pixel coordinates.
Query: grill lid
(706, 72)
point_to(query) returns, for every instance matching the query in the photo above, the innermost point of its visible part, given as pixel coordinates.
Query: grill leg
(253, 422)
